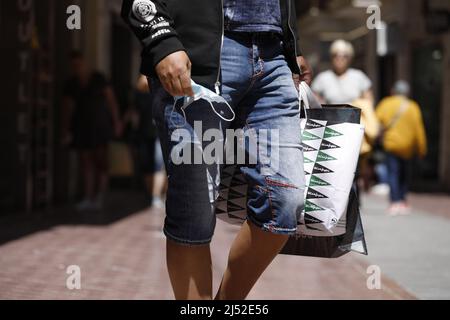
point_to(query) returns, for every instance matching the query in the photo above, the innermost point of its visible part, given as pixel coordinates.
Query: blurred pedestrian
(142, 134)
(342, 84)
(403, 136)
(345, 85)
(90, 120)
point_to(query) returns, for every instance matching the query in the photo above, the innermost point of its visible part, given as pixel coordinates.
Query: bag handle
(307, 98)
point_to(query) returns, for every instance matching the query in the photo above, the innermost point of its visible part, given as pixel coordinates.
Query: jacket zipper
(218, 84)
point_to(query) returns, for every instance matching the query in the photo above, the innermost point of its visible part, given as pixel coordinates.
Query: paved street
(121, 256)
(413, 250)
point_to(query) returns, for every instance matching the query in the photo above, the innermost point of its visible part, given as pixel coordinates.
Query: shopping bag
(353, 240)
(330, 224)
(332, 138)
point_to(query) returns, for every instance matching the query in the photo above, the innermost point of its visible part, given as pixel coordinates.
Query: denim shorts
(257, 83)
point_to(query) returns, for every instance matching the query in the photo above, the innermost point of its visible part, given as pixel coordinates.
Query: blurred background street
(103, 210)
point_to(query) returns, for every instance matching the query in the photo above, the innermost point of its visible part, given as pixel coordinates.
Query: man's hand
(306, 75)
(174, 72)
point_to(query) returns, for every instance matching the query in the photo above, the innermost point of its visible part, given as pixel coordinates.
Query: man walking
(248, 52)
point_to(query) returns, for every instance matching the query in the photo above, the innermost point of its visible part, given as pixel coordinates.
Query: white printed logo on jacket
(144, 10)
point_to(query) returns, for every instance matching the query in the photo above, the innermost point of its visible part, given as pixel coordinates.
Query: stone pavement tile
(126, 260)
(411, 249)
(434, 204)
(437, 204)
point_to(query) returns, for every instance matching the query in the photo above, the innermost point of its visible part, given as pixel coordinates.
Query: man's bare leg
(252, 252)
(159, 184)
(190, 271)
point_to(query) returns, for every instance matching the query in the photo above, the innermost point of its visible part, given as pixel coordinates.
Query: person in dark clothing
(247, 52)
(90, 121)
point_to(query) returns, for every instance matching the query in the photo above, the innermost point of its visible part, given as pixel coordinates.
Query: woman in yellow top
(404, 137)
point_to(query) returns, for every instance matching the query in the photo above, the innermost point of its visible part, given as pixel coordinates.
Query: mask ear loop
(218, 113)
(188, 101)
(174, 111)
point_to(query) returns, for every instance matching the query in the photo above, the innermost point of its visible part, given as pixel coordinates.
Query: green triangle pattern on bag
(307, 136)
(323, 157)
(330, 133)
(311, 207)
(317, 182)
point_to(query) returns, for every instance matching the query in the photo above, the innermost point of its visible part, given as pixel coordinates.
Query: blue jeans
(257, 83)
(397, 177)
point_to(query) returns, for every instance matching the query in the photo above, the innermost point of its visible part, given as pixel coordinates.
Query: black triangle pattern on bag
(310, 125)
(234, 194)
(311, 220)
(241, 202)
(313, 194)
(241, 189)
(307, 148)
(221, 207)
(220, 211)
(327, 145)
(229, 170)
(238, 181)
(234, 216)
(232, 207)
(226, 181)
(319, 169)
(312, 228)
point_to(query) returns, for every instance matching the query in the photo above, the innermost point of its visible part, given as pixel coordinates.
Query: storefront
(35, 170)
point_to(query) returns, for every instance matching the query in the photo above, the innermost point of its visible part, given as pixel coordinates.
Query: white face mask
(202, 93)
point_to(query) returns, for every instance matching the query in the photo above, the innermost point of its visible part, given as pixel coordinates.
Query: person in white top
(342, 84)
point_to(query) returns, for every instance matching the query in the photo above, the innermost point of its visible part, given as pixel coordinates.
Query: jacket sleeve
(150, 22)
(295, 28)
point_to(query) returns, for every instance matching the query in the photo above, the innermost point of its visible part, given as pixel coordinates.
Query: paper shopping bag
(330, 224)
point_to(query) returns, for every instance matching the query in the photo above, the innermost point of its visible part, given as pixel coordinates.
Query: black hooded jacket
(197, 27)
